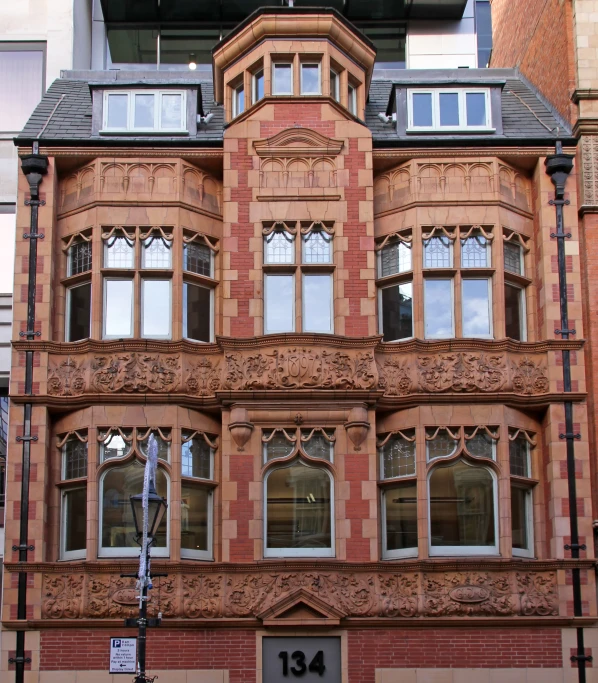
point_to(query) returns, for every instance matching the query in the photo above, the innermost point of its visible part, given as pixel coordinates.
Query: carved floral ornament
(298, 368)
(356, 594)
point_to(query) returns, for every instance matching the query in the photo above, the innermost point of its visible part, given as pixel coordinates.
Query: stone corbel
(240, 427)
(357, 426)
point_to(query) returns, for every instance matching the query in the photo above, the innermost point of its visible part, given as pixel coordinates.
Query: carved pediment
(301, 608)
(298, 142)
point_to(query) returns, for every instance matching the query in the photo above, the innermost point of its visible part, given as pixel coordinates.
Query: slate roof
(64, 116)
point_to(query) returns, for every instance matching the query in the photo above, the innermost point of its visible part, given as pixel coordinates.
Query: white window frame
(303, 443)
(303, 303)
(156, 279)
(235, 100)
(208, 554)
(398, 272)
(157, 127)
(522, 308)
(107, 247)
(381, 309)
(68, 310)
(70, 554)
(529, 521)
(336, 92)
(462, 92)
(104, 302)
(465, 550)
(490, 310)
(404, 552)
(466, 441)
(282, 63)
(312, 64)
(69, 266)
(131, 552)
(293, 297)
(401, 476)
(352, 99)
(265, 444)
(439, 458)
(254, 80)
(185, 336)
(291, 241)
(452, 281)
(299, 552)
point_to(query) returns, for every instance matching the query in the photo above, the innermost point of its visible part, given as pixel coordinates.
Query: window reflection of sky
(439, 308)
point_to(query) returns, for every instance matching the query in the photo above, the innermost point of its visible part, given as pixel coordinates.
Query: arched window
(117, 530)
(299, 518)
(462, 510)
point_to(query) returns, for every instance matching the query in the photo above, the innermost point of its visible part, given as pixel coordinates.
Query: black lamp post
(156, 507)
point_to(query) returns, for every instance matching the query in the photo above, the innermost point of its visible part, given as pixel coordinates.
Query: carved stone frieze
(589, 164)
(203, 377)
(67, 378)
(462, 372)
(358, 594)
(136, 372)
(528, 378)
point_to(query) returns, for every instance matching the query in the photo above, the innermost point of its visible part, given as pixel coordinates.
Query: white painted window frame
(335, 92)
(303, 302)
(393, 554)
(529, 520)
(292, 302)
(254, 79)
(312, 64)
(273, 84)
(68, 309)
(69, 554)
(186, 270)
(157, 127)
(208, 554)
(380, 310)
(452, 306)
(522, 307)
(388, 246)
(186, 283)
(462, 93)
(142, 306)
(488, 280)
(105, 302)
(235, 91)
(352, 99)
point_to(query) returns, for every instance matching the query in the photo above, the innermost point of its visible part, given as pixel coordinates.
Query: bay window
(514, 249)
(198, 308)
(258, 85)
(156, 314)
(396, 304)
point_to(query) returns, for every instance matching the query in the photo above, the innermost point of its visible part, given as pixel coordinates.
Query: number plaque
(301, 659)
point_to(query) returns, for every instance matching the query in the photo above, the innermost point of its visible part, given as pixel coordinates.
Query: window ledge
(77, 279)
(318, 267)
(514, 278)
(198, 278)
(405, 276)
(143, 132)
(279, 267)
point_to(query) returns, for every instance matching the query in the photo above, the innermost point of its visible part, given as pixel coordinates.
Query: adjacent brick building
(332, 299)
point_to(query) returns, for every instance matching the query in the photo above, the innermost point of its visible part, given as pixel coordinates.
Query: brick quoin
(451, 648)
(89, 650)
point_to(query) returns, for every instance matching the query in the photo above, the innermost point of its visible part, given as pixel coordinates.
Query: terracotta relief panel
(366, 594)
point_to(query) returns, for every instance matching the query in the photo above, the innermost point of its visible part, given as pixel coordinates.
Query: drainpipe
(34, 166)
(558, 167)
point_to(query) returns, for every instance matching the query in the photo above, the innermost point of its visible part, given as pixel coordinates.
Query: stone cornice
(380, 153)
(585, 126)
(584, 94)
(127, 152)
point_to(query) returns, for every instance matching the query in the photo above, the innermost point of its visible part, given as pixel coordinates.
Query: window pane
(475, 252)
(476, 108)
(334, 85)
(118, 311)
(195, 518)
(115, 446)
(317, 247)
(519, 457)
(155, 295)
(79, 312)
(481, 444)
(513, 313)
(318, 445)
(279, 247)
(278, 446)
(198, 259)
(519, 517)
(279, 298)
(282, 79)
(401, 517)
(163, 445)
(117, 111)
(441, 445)
(395, 258)
(310, 79)
(144, 111)
(79, 258)
(75, 520)
(438, 309)
(74, 458)
(171, 111)
(449, 108)
(461, 506)
(422, 109)
(156, 253)
(476, 308)
(116, 488)
(118, 253)
(239, 102)
(196, 457)
(197, 313)
(512, 255)
(438, 252)
(298, 508)
(21, 86)
(398, 457)
(258, 86)
(352, 100)
(317, 303)
(397, 312)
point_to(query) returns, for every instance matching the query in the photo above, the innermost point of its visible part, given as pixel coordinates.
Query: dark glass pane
(74, 455)
(401, 517)
(278, 446)
(513, 317)
(318, 445)
(395, 258)
(519, 521)
(461, 506)
(79, 258)
(519, 457)
(197, 313)
(441, 445)
(422, 109)
(476, 108)
(258, 86)
(483, 25)
(390, 45)
(449, 108)
(398, 457)
(198, 259)
(75, 520)
(298, 508)
(512, 255)
(133, 46)
(79, 312)
(196, 457)
(480, 445)
(397, 312)
(177, 44)
(195, 518)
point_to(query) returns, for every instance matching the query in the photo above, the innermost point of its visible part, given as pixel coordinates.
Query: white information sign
(123, 655)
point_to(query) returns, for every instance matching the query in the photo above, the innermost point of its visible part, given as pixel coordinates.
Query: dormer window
(449, 110)
(282, 78)
(145, 111)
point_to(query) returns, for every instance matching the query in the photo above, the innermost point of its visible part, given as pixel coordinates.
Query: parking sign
(123, 655)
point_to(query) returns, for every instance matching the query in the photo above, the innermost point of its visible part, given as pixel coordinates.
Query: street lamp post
(147, 515)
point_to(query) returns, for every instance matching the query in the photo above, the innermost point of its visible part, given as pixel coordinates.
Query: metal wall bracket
(582, 658)
(569, 435)
(29, 333)
(23, 547)
(19, 660)
(557, 202)
(35, 202)
(564, 331)
(575, 546)
(31, 236)
(560, 235)
(26, 438)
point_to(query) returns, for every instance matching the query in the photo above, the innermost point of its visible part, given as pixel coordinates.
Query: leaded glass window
(196, 456)
(318, 444)
(119, 252)
(162, 437)
(438, 252)
(279, 247)
(397, 455)
(79, 258)
(475, 251)
(395, 258)
(519, 455)
(317, 247)
(115, 443)
(277, 444)
(74, 458)
(512, 256)
(198, 259)
(156, 253)
(480, 443)
(440, 443)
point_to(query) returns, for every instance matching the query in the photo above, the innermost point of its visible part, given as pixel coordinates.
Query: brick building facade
(333, 303)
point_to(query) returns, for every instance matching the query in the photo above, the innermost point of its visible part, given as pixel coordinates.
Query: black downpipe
(558, 167)
(34, 166)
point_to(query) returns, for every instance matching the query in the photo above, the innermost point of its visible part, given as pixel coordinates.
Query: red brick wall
(537, 37)
(206, 649)
(454, 648)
